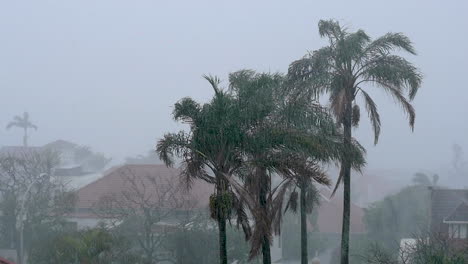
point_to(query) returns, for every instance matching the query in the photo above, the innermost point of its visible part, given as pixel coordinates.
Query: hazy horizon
(106, 73)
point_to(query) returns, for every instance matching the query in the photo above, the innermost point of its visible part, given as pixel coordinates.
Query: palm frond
(405, 105)
(292, 202)
(394, 71)
(240, 79)
(12, 124)
(338, 181)
(400, 99)
(352, 46)
(19, 119)
(214, 81)
(242, 219)
(390, 42)
(186, 110)
(172, 144)
(374, 116)
(312, 74)
(312, 197)
(331, 29)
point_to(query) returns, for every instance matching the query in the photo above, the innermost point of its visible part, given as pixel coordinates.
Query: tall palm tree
(277, 132)
(22, 122)
(209, 152)
(346, 68)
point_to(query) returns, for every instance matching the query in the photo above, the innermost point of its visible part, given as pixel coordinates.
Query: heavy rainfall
(203, 132)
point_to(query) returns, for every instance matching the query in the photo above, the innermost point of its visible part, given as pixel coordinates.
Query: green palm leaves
(246, 135)
(353, 61)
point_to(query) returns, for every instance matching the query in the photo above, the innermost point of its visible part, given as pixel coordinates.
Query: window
(458, 231)
(463, 231)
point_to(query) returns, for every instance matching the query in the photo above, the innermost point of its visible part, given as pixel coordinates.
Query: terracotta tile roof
(460, 214)
(115, 182)
(5, 261)
(443, 204)
(330, 215)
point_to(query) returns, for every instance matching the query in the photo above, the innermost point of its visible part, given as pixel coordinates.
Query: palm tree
(209, 152)
(350, 64)
(420, 178)
(309, 198)
(277, 132)
(24, 123)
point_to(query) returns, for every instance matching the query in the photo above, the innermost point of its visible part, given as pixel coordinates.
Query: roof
(60, 145)
(444, 203)
(460, 214)
(18, 150)
(80, 181)
(128, 177)
(330, 215)
(5, 261)
(372, 186)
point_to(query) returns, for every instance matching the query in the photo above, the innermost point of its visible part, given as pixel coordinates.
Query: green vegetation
(93, 246)
(263, 142)
(402, 215)
(245, 136)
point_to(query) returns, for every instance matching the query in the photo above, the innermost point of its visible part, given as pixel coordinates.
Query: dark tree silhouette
(22, 122)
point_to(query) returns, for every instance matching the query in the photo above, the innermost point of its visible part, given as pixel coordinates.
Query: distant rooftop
(448, 205)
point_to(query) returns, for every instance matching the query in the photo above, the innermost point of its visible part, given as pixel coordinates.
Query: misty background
(107, 73)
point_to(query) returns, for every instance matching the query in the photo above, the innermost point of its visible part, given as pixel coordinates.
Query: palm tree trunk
(264, 188)
(266, 250)
(25, 137)
(222, 240)
(221, 187)
(302, 204)
(346, 167)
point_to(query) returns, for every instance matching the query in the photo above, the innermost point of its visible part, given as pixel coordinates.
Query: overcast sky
(106, 73)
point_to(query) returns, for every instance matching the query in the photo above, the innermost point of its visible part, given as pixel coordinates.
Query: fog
(107, 73)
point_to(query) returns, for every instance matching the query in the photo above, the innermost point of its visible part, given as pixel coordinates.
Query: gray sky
(106, 73)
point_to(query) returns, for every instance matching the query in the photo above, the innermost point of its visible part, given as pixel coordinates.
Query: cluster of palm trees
(266, 125)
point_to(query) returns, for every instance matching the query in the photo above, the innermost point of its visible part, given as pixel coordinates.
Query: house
(330, 213)
(75, 160)
(137, 179)
(449, 214)
(374, 185)
(8, 256)
(66, 149)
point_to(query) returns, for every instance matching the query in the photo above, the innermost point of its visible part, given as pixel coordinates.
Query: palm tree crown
(350, 62)
(22, 122)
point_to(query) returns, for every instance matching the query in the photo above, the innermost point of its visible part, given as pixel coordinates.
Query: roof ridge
(103, 177)
(462, 202)
(117, 169)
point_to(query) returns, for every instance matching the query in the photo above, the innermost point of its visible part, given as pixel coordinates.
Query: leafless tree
(429, 248)
(146, 209)
(30, 197)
